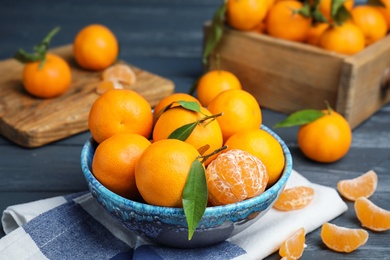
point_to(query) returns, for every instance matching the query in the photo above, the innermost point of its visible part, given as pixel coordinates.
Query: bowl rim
(89, 146)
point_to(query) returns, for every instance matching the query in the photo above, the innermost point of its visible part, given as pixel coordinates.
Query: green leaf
(300, 118)
(339, 13)
(194, 196)
(305, 11)
(40, 50)
(183, 132)
(216, 32)
(189, 105)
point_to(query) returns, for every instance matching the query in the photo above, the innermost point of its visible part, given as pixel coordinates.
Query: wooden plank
(365, 84)
(283, 75)
(32, 122)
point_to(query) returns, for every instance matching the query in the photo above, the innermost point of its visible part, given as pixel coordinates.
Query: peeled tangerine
(234, 176)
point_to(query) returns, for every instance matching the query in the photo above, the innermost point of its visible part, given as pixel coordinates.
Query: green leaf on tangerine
(339, 13)
(300, 118)
(189, 105)
(194, 196)
(183, 132)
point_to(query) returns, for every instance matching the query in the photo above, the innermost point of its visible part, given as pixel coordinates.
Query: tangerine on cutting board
(123, 73)
(371, 216)
(107, 85)
(234, 176)
(240, 110)
(120, 111)
(264, 146)
(361, 186)
(341, 239)
(293, 247)
(294, 198)
(114, 161)
(95, 47)
(161, 171)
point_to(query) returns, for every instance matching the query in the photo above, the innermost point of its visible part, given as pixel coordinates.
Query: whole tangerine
(120, 111)
(327, 139)
(114, 162)
(95, 47)
(50, 80)
(161, 171)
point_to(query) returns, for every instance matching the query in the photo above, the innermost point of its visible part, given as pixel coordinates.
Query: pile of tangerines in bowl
(187, 154)
(338, 26)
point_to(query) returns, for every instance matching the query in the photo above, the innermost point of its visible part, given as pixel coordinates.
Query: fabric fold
(78, 227)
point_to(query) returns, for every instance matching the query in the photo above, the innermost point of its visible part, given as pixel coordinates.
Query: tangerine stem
(328, 107)
(205, 157)
(213, 117)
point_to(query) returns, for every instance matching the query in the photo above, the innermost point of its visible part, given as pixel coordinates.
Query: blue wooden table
(165, 37)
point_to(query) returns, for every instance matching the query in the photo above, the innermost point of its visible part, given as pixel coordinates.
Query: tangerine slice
(362, 186)
(120, 72)
(293, 247)
(342, 239)
(294, 198)
(371, 216)
(107, 85)
(234, 176)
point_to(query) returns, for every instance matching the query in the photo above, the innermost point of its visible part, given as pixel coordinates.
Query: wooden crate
(287, 76)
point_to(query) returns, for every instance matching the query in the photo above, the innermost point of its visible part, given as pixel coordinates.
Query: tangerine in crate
(168, 225)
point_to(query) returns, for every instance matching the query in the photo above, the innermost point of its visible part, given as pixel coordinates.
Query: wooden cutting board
(33, 122)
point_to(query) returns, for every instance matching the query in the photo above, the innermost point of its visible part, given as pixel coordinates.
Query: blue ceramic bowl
(168, 226)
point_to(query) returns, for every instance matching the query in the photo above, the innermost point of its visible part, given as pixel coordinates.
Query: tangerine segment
(120, 72)
(107, 85)
(293, 247)
(362, 186)
(294, 198)
(234, 176)
(371, 216)
(341, 239)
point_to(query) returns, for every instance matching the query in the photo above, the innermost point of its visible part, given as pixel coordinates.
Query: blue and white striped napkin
(77, 227)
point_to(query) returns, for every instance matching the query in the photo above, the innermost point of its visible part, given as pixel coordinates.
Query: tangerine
(207, 133)
(240, 110)
(168, 100)
(294, 198)
(371, 22)
(326, 139)
(52, 80)
(385, 11)
(264, 146)
(245, 14)
(347, 39)
(342, 239)
(315, 32)
(120, 111)
(95, 47)
(283, 21)
(214, 82)
(120, 72)
(371, 216)
(161, 171)
(107, 85)
(114, 162)
(234, 176)
(361, 186)
(293, 247)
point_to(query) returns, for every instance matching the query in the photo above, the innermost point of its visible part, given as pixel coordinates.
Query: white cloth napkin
(76, 227)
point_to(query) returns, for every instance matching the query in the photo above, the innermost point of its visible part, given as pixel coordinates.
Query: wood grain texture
(32, 122)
